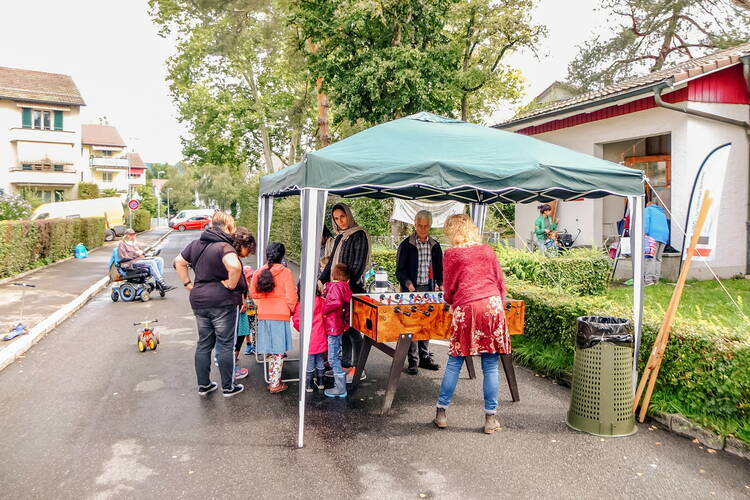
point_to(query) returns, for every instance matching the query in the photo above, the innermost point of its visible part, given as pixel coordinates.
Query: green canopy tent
(425, 156)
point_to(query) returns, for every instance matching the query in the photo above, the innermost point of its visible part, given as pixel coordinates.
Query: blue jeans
(315, 362)
(491, 381)
(154, 264)
(334, 354)
(217, 327)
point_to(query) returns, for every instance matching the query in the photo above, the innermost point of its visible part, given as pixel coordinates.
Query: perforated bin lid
(595, 329)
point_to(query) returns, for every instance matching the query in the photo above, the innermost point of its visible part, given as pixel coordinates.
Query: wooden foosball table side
(404, 323)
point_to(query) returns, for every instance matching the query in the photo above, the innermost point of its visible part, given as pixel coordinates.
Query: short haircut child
(340, 272)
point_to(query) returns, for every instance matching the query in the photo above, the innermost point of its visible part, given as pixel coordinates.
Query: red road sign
(134, 204)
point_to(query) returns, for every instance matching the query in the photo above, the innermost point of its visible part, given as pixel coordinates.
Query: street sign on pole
(134, 204)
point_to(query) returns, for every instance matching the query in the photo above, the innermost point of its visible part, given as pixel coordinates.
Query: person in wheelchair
(131, 256)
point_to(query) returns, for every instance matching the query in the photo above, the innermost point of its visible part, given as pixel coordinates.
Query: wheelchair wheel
(162, 293)
(115, 295)
(127, 292)
(145, 296)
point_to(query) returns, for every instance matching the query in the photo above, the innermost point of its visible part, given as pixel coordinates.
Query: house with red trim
(664, 123)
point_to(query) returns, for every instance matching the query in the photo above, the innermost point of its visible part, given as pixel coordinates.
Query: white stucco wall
(692, 138)
(55, 144)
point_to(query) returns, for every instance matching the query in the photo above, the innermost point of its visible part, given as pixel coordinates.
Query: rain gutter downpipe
(723, 119)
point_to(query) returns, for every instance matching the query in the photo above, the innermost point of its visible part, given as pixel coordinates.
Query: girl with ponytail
(272, 288)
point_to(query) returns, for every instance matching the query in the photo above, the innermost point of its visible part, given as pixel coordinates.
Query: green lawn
(701, 300)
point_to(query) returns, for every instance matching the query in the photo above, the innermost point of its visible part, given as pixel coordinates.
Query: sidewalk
(56, 286)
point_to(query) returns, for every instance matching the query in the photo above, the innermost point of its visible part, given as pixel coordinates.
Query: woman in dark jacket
(351, 246)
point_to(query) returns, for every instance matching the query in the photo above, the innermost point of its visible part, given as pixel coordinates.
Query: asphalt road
(85, 415)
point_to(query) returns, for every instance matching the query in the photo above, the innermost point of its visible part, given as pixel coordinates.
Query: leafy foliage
(180, 192)
(110, 192)
(484, 32)
(14, 207)
(217, 186)
(148, 198)
(88, 191)
(141, 220)
(706, 370)
(239, 81)
(580, 271)
(649, 34)
(25, 245)
(380, 60)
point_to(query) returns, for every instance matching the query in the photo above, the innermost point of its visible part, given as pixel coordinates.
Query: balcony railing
(107, 162)
(39, 135)
(69, 169)
(66, 177)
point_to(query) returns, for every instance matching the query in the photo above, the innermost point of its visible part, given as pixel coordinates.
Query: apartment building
(40, 134)
(111, 165)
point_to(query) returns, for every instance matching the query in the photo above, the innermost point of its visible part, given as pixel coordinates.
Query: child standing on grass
(318, 344)
(338, 294)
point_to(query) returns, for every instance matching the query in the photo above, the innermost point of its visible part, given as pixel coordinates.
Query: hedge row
(705, 374)
(28, 244)
(141, 220)
(582, 271)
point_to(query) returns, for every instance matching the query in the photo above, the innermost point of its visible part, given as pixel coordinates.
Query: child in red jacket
(336, 319)
(318, 344)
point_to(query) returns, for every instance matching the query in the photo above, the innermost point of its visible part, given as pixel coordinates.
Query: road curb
(9, 354)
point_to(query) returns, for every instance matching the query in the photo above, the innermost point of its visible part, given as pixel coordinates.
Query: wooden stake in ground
(651, 372)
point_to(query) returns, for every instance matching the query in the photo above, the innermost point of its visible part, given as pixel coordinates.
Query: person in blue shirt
(655, 225)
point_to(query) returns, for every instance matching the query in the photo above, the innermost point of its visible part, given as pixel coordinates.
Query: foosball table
(410, 316)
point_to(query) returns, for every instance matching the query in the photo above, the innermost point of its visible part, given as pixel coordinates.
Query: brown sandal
(279, 388)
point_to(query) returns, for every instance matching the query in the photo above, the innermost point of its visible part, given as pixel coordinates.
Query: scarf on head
(346, 234)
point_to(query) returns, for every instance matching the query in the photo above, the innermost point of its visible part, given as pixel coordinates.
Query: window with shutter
(58, 120)
(26, 117)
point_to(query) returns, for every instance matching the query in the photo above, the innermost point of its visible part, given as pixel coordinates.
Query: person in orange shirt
(272, 288)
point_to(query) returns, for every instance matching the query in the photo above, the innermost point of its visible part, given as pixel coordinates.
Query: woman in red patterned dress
(474, 286)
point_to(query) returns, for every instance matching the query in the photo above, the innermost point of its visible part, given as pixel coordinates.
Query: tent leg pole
(312, 206)
(636, 253)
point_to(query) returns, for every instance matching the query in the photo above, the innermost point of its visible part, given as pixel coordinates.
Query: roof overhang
(618, 99)
(41, 101)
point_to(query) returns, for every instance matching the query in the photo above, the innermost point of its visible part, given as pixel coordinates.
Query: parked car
(109, 208)
(198, 222)
(184, 215)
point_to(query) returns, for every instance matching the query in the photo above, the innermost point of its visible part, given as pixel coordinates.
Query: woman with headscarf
(351, 246)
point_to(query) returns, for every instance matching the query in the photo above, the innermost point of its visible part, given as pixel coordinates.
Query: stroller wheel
(127, 292)
(115, 295)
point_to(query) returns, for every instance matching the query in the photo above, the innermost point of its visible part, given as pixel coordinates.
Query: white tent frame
(312, 211)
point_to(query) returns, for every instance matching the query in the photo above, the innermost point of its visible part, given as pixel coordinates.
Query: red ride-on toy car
(147, 337)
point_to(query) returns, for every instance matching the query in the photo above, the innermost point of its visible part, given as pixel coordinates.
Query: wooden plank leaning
(651, 371)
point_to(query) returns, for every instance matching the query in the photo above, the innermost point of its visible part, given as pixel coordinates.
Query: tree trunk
(265, 139)
(666, 41)
(324, 131)
(465, 107)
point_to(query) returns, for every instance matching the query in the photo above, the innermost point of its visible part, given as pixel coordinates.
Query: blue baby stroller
(131, 283)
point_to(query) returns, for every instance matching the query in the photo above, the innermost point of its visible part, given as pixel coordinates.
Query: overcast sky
(113, 53)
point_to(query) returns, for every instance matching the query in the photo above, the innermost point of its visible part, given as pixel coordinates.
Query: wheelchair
(132, 283)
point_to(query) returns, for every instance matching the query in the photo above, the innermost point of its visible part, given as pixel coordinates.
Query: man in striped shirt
(419, 268)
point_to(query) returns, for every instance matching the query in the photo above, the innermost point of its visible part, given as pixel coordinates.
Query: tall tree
(379, 60)
(217, 186)
(485, 32)
(239, 80)
(649, 34)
